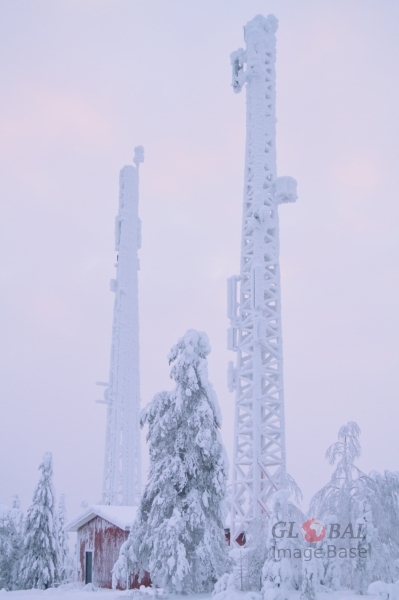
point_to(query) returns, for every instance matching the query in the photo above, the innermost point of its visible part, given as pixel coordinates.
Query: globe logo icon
(313, 530)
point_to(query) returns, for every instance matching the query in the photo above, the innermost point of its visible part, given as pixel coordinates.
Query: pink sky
(83, 82)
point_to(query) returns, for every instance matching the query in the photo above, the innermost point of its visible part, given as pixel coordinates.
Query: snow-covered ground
(79, 593)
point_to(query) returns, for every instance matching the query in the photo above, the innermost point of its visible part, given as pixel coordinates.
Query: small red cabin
(101, 530)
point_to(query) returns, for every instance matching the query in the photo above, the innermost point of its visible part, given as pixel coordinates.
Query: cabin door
(89, 567)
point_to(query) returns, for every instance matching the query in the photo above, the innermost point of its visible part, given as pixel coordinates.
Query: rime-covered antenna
(254, 302)
(122, 462)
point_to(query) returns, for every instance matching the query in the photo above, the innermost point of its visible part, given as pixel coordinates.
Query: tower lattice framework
(122, 461)
(254, 300)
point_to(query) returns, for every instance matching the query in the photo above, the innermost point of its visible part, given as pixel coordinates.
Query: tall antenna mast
(122, 462)
(254, 301)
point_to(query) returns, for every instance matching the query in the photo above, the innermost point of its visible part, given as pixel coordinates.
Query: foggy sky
(83, 82)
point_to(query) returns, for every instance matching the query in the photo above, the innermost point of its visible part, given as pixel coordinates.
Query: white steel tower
(254, 302)
(122, 462)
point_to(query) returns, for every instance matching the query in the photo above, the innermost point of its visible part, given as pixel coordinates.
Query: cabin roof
(121, 516)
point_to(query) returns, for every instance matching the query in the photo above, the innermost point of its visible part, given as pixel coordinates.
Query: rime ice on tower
(121, 485)
(254, 305)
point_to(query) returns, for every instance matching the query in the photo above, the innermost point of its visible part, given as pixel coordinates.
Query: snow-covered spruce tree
(17, 516)
(65, 564)
(278, 573)
(40, 562)
(17, 539)
(178, 536)
(11, 543)
(6, 551)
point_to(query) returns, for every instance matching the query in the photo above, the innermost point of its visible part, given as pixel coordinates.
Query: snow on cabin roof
(121, 516)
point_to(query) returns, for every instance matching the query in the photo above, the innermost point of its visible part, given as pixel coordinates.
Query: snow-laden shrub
(225, 589)
(278, 573)
(387, 591)
(340, 496)
(367, 500)
(309, 580)
(329, 567)
(225, 582)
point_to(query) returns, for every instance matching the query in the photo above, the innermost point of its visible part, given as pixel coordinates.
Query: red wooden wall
(104, 539)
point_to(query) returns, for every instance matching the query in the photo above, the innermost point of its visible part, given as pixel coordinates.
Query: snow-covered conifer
(65, 565)
(17, 539)
(16, 515)
(11, 543)
(178, 535)
(6, 550)
(40, 562)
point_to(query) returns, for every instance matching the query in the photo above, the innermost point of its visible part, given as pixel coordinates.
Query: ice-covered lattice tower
(122, 461)
(254, 302)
